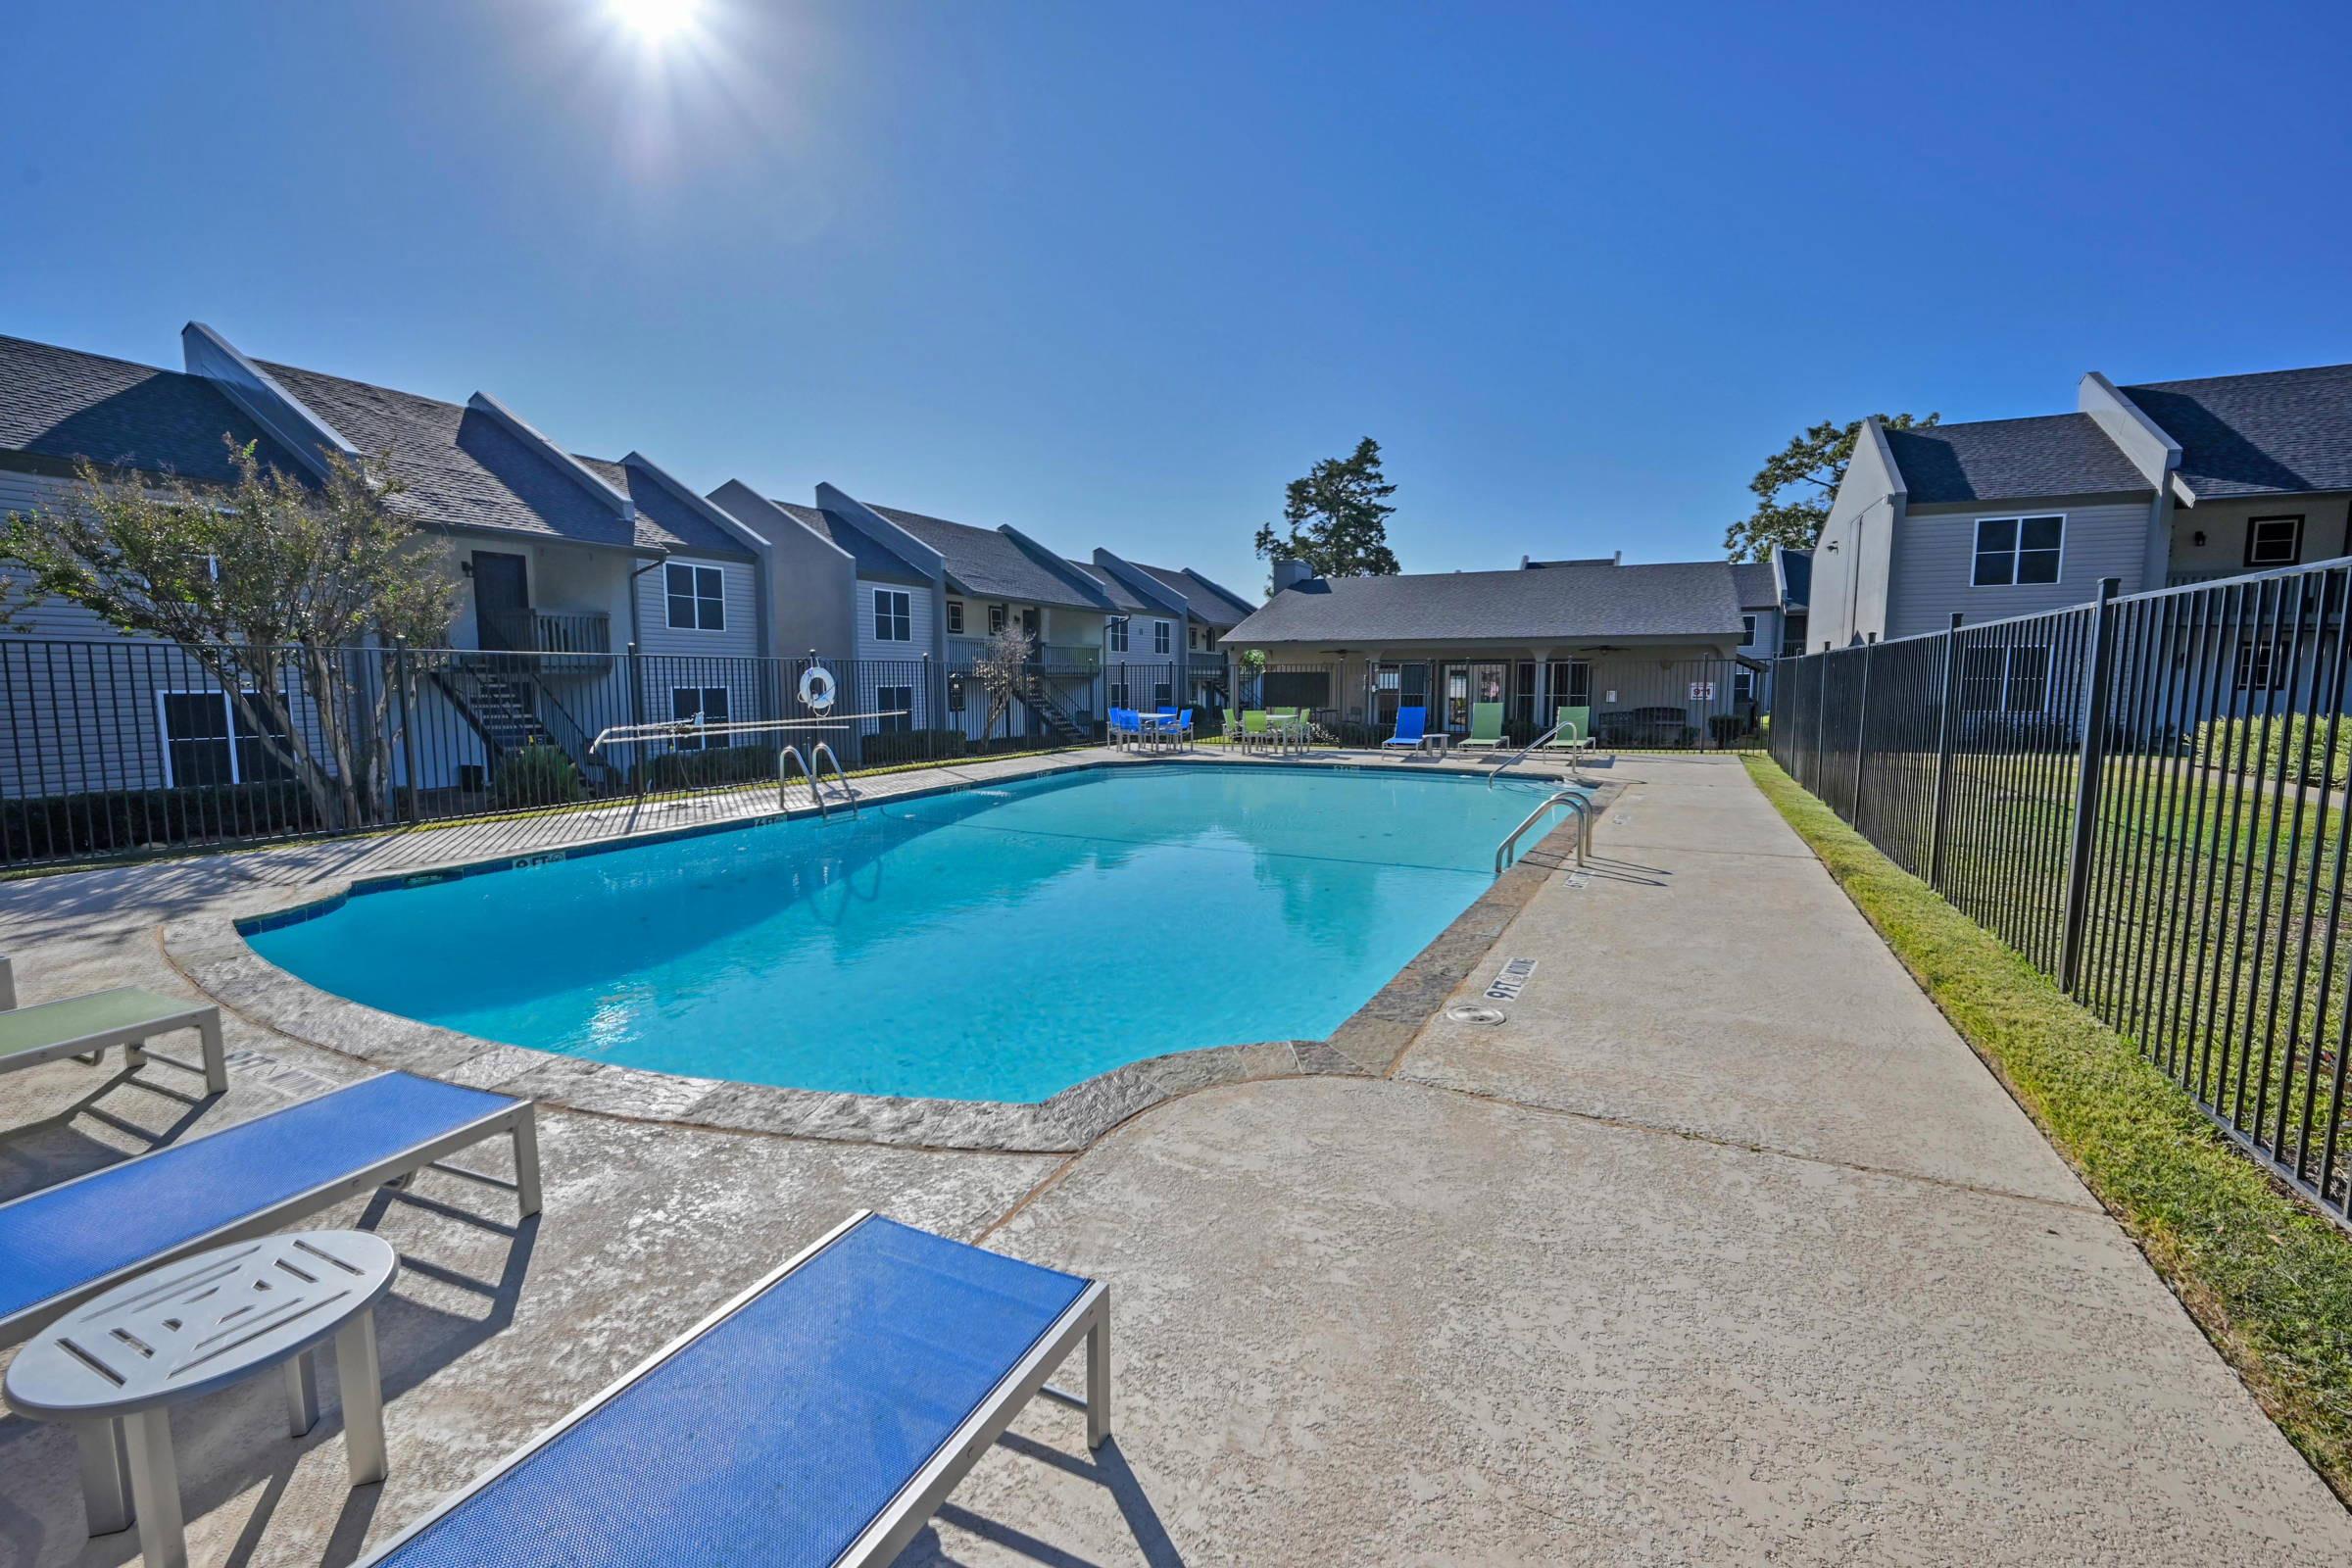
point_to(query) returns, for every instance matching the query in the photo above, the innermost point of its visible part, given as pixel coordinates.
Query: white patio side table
(116, 1365)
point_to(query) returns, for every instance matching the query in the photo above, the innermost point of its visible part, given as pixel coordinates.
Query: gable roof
(1210, 603)
(1796, 577)
(2012, 459)
(462, 468)
(1599, 601)
(2270, 433)
(989, 563)
(61, 404)
(1757, 585)
(872, 561)
(663, 521)
(1118, 592)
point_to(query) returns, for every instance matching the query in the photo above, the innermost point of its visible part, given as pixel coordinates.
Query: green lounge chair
(1485, 728)
(1572, 731)
(84, 1026)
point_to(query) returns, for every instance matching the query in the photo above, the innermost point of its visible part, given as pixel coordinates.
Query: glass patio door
(1465, 684)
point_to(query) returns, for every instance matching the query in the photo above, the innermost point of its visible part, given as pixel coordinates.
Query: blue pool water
(991, 944)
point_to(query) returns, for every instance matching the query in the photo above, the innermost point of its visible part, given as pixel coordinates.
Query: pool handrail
(1576, 801)
(823, 751)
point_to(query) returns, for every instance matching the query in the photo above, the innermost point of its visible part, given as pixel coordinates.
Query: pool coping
(210, 948)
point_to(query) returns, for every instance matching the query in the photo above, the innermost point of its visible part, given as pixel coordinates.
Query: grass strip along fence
(2302, 750)
(2268, 1279)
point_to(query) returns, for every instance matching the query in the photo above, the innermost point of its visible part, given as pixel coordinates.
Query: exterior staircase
(502, 709)
(1056, 719)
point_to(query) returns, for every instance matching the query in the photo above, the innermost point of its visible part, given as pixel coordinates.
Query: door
(502, 602)
(1466, 684)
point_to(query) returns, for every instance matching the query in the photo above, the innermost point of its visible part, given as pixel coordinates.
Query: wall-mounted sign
(1702, 690)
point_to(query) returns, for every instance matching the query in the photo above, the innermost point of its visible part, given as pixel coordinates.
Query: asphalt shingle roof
(664, 522)
(2280, 431)
(1682, 598)
(985, 564)
(875, 563)
(1209, 602)
(63, 404)
(2012, 459)
(1118, 592)
(461, 468)
(1756, 585)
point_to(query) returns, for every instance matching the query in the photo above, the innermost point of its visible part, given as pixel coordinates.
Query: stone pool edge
(211, 950)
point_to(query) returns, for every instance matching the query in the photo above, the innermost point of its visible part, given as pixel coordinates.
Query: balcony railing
(580, 639)
(1069, 658)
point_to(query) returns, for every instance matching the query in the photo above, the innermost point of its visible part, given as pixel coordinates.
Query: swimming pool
(997, 943)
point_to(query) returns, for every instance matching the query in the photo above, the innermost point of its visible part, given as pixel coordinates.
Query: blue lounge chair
(64, 1244)
(1413, 723)
(820, 1417)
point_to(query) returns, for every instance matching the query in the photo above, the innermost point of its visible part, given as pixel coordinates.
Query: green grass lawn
(2268, 1278)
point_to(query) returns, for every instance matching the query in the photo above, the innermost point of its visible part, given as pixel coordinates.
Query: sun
(654, 21)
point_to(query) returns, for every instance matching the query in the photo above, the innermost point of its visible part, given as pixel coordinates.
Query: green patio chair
(1572, 732)
(1255, 732)
(1485, 728)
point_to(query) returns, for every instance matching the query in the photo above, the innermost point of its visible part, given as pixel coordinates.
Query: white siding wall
(1936, 553)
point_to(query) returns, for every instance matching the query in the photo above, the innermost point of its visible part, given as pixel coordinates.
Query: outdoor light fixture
(2198, 537)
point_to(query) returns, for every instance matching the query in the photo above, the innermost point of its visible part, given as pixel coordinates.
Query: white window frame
(1748, 621)
(1000, 616)
(2294, 554)
(955, 617)
(894, 607)
(228, 714)
(2017, 548)
(2003, 682)
(1744, 684)
(1163, 639)
(883, 702)
(693, 596)
(1116, 630)
(702, 711)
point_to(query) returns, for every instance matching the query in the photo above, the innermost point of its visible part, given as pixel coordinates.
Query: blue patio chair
(1184, 726)
(65, 1243)
(819, 1417)
(1413, 723)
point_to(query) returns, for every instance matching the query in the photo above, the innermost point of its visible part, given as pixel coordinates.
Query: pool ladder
(821, 753)
(1507, 851)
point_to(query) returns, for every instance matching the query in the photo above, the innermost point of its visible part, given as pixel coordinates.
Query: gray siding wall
(1934, 557)
(809, 579)
(1854, 557)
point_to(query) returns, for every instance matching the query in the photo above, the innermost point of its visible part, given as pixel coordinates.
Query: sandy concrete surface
(1720, 1247)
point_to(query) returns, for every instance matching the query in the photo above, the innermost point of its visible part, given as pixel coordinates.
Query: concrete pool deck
(1719, 1246)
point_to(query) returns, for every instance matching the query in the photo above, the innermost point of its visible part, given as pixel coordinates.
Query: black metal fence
(118, 746)
(2145, 798)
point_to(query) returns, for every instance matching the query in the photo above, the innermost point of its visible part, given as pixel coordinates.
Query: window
(1744, 684)
(1164, 694)
(2004, 681)
(697, 600)
(1191, 638)
(955, 617)
(1118, 634)
(2257, 669)
(1522, 693)
(892, 622)
(890, 699)
(1792, 636)
(996, 620)
(1159, 637)
(1119, 694)
(1571, 683)
(2273, 542)
(205, 743)
(1748, 624)
(699, 704)
(2018, 550)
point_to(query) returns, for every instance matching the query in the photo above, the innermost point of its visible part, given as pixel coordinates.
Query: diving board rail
(1576, 801)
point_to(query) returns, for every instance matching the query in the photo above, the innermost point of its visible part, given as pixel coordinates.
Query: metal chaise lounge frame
(884, 1534)
(509, 1117)
(83, 1027)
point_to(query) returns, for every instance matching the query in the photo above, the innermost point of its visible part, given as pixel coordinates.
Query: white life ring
(816, 687)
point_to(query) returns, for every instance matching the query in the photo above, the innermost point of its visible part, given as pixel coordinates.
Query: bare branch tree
(1002, 671)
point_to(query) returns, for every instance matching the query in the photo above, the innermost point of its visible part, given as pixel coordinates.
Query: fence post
(408, 729)
(1943, 753)
(1870, 651)
(639, 751)
(1821, 720)
(2086, 787)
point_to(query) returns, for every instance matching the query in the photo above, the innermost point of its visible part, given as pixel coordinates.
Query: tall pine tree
(1336, 518)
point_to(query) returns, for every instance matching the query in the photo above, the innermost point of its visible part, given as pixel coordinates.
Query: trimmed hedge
(538, 775)
(57, 826)
(2255, 745)
(717, 765)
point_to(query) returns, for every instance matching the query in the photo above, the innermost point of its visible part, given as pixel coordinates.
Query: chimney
(1289, 573)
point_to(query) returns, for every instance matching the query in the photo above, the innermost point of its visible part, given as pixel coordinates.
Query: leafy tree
(1810, 465)
(265, 579)
(1338, 518)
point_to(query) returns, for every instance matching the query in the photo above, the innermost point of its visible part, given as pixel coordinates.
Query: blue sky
(1115, 273)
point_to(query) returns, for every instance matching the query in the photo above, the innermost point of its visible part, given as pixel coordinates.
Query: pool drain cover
(1464, 1013)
